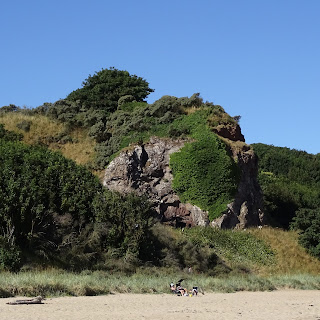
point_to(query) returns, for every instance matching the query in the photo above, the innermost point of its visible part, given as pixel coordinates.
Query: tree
(106, 87)
(307, 221)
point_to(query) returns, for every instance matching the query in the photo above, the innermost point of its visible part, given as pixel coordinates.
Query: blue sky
(258, 59)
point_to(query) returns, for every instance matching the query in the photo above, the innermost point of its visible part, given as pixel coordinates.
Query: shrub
(125, 99)
(24, 125)
(307, 221)
(9, 135)
(10, 256)
(9, 108)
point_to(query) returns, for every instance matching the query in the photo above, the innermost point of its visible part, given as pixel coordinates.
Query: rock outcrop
(230, 131)
(247, 208)
(144, 169)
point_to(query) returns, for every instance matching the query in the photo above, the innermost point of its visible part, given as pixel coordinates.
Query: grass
(291, 258)
(290, 267)
(241, 251)
(53, 283)
(80, 148)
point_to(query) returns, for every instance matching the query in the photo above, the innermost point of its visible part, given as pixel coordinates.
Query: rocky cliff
(247, 208)
(144, 169)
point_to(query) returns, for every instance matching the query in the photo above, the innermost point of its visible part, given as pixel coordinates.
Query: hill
(290, 180)
(56, 212)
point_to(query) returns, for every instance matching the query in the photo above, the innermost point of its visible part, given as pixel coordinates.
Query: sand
(276, 305)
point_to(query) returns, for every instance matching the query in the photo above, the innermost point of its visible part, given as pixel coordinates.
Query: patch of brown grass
(291, 258)
(42, 129)
(81, 150)
(41, 126)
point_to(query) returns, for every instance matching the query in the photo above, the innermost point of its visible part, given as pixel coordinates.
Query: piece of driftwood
(36, 300)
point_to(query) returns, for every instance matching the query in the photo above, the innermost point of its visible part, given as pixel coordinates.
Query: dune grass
(53, 283)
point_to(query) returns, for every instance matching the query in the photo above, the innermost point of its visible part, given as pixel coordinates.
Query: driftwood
(36, 300)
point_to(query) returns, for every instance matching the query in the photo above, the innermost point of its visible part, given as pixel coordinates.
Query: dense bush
(58, 211)
(307, 221)
(6, 135)
(9, 108)
(289, 180)
(134, 122)
(35, 184)
(171, 249)
(295, 165)
(10, 255)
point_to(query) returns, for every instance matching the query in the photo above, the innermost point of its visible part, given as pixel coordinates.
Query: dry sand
(276, 305)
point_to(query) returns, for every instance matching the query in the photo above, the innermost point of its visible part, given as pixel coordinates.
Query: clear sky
(257, 58)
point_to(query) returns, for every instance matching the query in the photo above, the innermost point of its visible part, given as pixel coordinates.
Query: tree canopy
(103, 89)
(289, 180)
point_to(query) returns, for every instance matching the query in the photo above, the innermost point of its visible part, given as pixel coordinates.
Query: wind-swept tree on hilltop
(106, 87)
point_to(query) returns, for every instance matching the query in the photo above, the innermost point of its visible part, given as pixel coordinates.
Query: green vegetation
(104, 89)
(204, 174)
(307, 221)
(58, 283)
(214, 182)
(290, 180)
(56, 214)
(240, 249)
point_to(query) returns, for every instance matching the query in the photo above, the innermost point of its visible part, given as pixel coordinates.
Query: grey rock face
(247, 208)
(145, 170)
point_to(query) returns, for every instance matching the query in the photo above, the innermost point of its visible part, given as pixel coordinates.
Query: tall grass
(239, 249)
(79, 147)
(290, 256)
(59, 283)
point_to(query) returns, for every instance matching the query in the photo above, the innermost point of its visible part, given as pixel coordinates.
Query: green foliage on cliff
(204, 173)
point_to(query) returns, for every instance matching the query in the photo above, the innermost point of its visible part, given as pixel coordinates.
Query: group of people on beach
(181, 291)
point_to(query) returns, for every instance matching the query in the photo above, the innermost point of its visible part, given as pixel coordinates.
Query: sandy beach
(284, 304)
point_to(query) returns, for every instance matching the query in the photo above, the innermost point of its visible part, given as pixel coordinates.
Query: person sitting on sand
(172, 287)
(194, 291)
(183, 291)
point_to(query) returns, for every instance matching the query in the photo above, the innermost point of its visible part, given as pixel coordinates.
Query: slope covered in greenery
(290, 180)
(54, 212)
